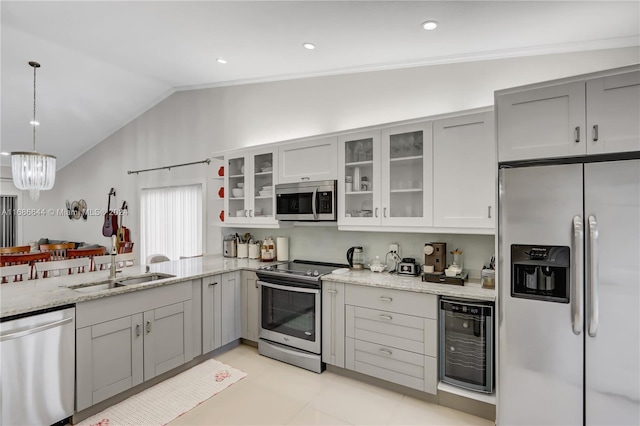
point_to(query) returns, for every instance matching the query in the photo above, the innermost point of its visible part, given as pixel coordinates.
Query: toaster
(408, 266)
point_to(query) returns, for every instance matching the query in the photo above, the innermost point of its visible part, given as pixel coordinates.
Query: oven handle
(288, 288)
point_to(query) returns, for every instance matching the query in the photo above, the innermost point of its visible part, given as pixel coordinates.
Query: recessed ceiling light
(4, 153)
(430, 25)
(221, 61)
(309, 46)
(34, 123)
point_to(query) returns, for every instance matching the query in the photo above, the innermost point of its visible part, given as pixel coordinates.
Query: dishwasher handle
(34, 330)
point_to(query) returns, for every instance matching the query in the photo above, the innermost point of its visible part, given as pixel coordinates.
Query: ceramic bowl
(237, 192)
(239, 213)
(240, 184)
(377, 268)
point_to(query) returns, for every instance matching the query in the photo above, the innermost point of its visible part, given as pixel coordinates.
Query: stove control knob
(316, 273)
(308, 273)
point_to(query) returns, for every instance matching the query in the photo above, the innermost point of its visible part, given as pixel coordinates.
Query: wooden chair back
(15, 250)
(56, 268)
(58, 251)
(24, 259)
(14, 273)
(125, 247)
(90, 253)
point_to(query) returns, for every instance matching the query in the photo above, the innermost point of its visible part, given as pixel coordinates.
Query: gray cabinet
(392, 335)
(221, 310)
(231, 307)
(124, 340)
(597, 115)
(250, 306)
(333, 323)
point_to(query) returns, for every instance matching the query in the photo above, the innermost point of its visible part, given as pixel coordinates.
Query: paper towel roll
(282, 248)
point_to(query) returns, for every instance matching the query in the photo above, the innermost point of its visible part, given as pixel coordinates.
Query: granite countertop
(35, 295)
(472, 289)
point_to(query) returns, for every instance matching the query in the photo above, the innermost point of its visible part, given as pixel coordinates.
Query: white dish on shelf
(240, 184)
(267, 169)
(267, 188)
(266, 193)
(240, 213)
(237, 192)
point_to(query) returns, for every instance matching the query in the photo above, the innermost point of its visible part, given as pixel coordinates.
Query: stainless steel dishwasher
(37, 368)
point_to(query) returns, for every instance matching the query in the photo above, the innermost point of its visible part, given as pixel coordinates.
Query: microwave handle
(313, 204)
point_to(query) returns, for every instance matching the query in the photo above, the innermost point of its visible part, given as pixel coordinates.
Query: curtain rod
(130, 172)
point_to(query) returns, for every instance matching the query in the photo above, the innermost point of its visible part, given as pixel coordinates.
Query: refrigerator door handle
(577, 279)
(592, 277)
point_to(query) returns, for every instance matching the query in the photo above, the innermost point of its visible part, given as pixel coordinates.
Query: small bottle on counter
(264, 252)
(272, 249)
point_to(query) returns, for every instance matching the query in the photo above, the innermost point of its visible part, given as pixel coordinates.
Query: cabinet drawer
(394, 365)
(406, 302)
(386, 328)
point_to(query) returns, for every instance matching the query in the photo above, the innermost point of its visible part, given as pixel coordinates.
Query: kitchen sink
(119, 282)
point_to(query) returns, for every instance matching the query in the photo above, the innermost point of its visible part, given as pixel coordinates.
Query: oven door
(290, 316)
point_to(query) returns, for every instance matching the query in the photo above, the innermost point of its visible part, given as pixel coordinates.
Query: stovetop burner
(299, 269)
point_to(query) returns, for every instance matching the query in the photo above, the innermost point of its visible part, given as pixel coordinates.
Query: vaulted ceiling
(106, 62)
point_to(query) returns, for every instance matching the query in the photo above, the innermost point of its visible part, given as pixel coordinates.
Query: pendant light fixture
(30, 170)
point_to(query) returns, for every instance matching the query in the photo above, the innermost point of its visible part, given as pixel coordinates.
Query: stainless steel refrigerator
(569, 293)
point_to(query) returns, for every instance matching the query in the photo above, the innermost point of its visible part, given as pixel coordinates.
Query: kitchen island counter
(35, 295)
(472, 289)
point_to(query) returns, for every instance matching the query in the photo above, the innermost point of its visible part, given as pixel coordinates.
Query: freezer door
(612, 326)
(540, 356)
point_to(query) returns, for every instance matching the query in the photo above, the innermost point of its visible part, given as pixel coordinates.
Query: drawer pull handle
(386, 317)
(386, 351)
(213, 283)
(332, 291)
(386, 299)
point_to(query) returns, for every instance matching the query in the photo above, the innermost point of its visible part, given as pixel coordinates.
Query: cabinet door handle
(595, 133)
(137, 330)
(332, 291)
(386, 351)
(384, 212)
(148, 326)
(213, 283)
(386, 317)
(386, 299)
(246, 213)
(250, 213)
(376, 212)
(577, 134)
(489, 212)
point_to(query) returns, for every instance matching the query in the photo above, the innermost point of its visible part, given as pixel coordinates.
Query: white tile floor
(275, 393)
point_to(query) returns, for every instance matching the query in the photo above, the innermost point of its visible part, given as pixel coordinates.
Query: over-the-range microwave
(307, 201)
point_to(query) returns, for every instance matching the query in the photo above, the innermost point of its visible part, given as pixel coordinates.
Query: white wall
(193, 125)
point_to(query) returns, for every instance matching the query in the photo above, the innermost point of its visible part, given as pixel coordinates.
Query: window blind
(171, 221)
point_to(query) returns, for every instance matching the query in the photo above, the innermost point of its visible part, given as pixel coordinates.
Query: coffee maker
(435, 255)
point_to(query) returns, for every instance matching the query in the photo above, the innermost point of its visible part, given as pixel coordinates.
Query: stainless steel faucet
(114, 252)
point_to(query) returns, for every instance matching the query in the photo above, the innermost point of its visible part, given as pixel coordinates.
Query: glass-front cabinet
(386, 176)
(249, 183)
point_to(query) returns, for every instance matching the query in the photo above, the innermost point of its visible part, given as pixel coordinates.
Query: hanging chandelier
(31, 170)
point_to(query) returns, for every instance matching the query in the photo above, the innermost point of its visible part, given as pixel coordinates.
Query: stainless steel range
(290, 307)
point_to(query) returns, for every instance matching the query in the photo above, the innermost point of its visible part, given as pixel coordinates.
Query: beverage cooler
(466, 344)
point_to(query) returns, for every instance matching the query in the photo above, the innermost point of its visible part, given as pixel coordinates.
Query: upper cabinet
(309, 160)
(590, 116)
(249, 182)
(464, 171)
(385, 176)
